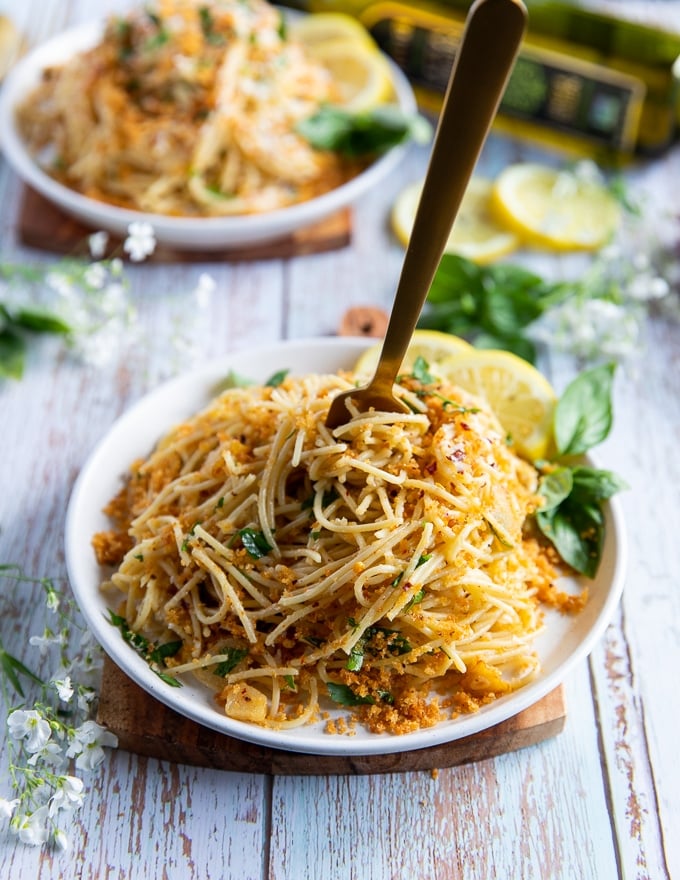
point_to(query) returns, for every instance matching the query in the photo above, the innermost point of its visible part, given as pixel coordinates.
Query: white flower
(51, 754)
(140, 241)
(204, 290)
(46, 640)
(7, 808)
(86, 746)
(30, 726)
(98, 242)
(52, 601)
(64, 688)
(68, 795)
(61, 841)
(86, 696)
(95, 276)
(32, 828)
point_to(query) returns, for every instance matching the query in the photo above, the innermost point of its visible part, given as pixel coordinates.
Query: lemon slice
(360, 72)
(432, 345)
(521, 397)
(475, 233)
(561, 210)
(323, 27)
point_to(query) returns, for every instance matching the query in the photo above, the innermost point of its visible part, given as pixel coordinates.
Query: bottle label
(560, 93)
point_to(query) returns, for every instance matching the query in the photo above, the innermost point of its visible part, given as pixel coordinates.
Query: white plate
(565, 641)
(189, 233)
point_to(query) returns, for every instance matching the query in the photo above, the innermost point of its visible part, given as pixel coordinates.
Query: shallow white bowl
(188, 233)
(565, 641)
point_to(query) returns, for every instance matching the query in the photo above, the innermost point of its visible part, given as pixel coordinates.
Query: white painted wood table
(599, 801)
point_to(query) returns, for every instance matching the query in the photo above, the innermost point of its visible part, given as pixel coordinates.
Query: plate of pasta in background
(367, 590)
(221, 125)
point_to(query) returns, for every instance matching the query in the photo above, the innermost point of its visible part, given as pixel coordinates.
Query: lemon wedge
(324, 27)
(360, 72)
(555, 209)
(475, 234)
(432, 345)
(520, 396)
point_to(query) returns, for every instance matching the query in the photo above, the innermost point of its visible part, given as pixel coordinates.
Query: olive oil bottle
(585, 82)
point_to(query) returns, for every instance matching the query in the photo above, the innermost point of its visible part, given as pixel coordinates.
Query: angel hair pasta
(186, 108)
(384, 565)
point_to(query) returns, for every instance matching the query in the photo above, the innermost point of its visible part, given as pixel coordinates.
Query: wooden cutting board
(146, 727)
(44, 226)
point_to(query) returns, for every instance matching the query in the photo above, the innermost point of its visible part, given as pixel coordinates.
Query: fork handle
(489, 45)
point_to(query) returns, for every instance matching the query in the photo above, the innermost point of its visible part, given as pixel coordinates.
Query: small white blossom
(46, 640)
(98, 243)
(95, 276)
(204, 290)
(32, 827)
(30, 726)
(87, 743)
(51, 754)
(64, 688)
(61, 840)
(69, 794)
(140, 241)
(52, 601)
(7, 808)
(86, 697)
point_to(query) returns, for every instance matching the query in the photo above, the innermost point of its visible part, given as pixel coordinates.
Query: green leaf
(254, 542)
(12, 354)
(234, 380)
(40, 322)
(421, 371)
(592, 484)
(583, 416)
(12, 668)
(361, 134)
(345, 696)
(555, 487)
(519, 345)
(154, 655)
(276, 379)
(161, 652)
(234, 657)
(577, 532)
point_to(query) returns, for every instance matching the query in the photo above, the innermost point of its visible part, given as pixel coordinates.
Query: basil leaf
(591, 484)
(276, 379)
(517, 344)
(361, 134)
(12, 354)
(254, 542)
(577, 532)
(583, 416)
(345, 696)
(555, 487)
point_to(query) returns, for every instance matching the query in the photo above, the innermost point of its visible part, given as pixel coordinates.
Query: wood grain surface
(598, 802)
(45, 226)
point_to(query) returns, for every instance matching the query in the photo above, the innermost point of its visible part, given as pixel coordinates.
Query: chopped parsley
(233, 658)
(155, 655)
(254, 542)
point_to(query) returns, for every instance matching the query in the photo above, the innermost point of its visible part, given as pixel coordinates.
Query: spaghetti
(385, 564)
(186, 108)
